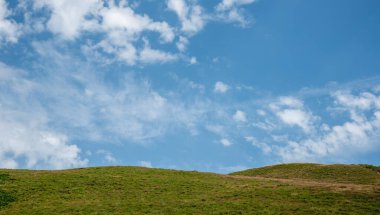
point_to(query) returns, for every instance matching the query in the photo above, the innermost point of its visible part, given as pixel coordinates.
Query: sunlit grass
(135, 190)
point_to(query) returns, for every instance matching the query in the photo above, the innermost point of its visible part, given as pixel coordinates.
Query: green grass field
(357, 174)
(281, 189)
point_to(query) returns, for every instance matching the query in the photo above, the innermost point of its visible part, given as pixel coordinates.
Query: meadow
(279, 189)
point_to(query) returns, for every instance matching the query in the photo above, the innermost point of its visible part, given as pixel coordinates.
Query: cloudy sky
(219, 85)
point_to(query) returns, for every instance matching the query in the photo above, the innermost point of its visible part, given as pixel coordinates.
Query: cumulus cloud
(191, 15)
(221, 87)
(123, 18)
(9, 29)
(239, 116)
(193, 60)
(359, 134)
(364, 101)
(291, 111)
(68, 17)
(31, 145)
(225, 142)
(111, 31)
(121, 26)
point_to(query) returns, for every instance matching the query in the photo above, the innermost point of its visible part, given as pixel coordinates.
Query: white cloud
(107, 156)
(25, 137)
(68, 17)
(239, 116)
(121, 26)
(179, 7)
(112, 30)
(230, 11)
(291, 111)
(125, 19)
(9, 29)
(148, 55)
(296, 117)
(352, 136)
(225, 142)
(147, 164)
(262, 146)
(217, 129)
(228, 4)
(290, 102)
(129, 109)
(221, 87)
(124, 28)
(29, 144)
(261, 112)
(182, 43)
(191, 15)
(193, 60)
(362, 102)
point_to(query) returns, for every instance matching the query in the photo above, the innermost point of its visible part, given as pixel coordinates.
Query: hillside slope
(358, 174)
(136, 190)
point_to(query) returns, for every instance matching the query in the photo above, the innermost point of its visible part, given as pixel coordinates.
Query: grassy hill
(358, 174)
(136, 190)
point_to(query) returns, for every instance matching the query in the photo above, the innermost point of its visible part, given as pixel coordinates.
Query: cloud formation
(221, 87)
(225, 142)
(25, 138)
(72, 103)
(291, 111)
(83, 83)
(109, 30)
(358, 134)
(231, 11)
(190, 14)
(9, 29)
(239, 116)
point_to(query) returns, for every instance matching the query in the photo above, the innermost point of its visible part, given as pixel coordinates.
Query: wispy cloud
(82, 82)
(231, 11)
(9, 29)
(26, 137)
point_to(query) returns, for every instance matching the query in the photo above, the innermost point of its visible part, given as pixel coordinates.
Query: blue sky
(216, 86)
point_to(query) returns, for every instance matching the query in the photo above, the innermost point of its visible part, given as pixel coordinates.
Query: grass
(358, 174)
(136, 190)
(5, 197)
